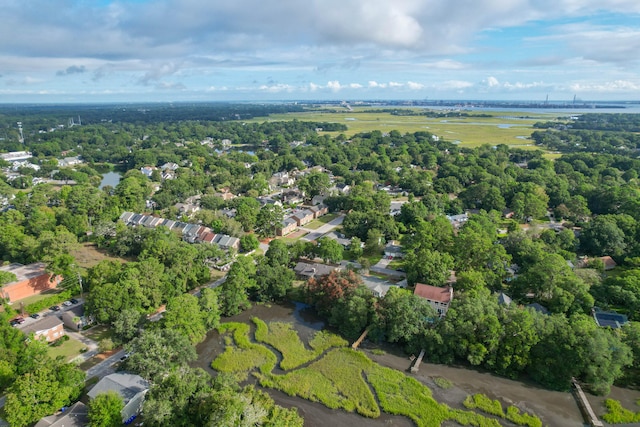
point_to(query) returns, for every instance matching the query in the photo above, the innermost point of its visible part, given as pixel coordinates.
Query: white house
(131, 387)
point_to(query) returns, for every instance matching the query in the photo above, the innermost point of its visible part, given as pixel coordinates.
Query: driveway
(322, 230)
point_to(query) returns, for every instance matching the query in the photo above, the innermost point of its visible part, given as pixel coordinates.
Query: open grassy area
(98, 333)
(285, 339)
(68, 349)
(88, 255)
(317, 223)
(502, 128)
(342, 378)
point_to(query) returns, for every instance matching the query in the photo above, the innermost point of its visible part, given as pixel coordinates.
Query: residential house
(319, 210)
(186, 208)
(438, 298)
(50, 328)
(289, 225)
(379, 287)
(338, 237)
(69, 161)
(280, 179)
(393, 250)
(343, 188)
(31, 279)
(318, 200)
(609, 263)
(458, 220)
(74, 318)
(169, 166)
(538, 307)
(225, 194)
(147, 171)
(504, 299)
(609, 319)
(15, 156)
(303, 217)
(292, 197)
(132, 389)
(311, 270)
(77, 415)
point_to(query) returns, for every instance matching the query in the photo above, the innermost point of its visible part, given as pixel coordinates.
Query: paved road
(388, 272)
(105, 367)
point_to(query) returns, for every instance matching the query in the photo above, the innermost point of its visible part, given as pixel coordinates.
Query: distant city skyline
(258, 50)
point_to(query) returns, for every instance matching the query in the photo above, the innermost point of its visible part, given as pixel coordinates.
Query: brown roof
(609, 263)
(434, 293)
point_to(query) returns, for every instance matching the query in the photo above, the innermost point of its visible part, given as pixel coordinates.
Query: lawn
(68, 349)
(98, 333)
(341, 378)
(88, 255)
(317, 223)
(35, 298)
(502, 128)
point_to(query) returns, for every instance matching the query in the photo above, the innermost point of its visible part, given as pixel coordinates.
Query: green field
(503, 127)
(68, 349)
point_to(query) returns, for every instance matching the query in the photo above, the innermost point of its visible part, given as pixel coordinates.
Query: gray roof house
(307, 271)
(131, 387)
(74, 416)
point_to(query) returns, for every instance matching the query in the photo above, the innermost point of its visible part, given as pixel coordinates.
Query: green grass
(342, 378)
(443, 383)
(36, 298)
(616, 414)
(403, 395)
(335, 381)
(285, 339)
(494, 407)
(245, 355)
(69, 349)
(323, 220)
(98, 333)
(470, 131)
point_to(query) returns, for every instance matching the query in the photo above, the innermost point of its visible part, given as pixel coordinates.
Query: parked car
(54, 308)
(74, 301)
(67, 303)
(17, 321)
(35, 316)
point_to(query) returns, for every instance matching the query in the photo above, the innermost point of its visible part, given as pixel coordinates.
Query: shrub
(616, 414)
(49, 301)
(443, 383)
(105, 344)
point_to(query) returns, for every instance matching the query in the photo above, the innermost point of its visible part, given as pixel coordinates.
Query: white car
(67, 303)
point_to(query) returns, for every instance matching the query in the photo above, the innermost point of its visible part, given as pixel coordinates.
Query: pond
(554, 408)
(110, 178)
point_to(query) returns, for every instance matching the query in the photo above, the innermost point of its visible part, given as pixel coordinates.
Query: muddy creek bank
(554, 408)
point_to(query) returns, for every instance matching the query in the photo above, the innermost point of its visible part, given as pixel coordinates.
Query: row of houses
(192, 233)
(301, 217)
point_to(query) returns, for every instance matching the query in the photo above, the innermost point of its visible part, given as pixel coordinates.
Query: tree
(269, 219)
(329, 250)
(325, 291)
(602, 236)
(183, 314)
(402, 317)
(249, 242)
(351, 315)
(232, 296)
(156, 352)
(126, 324)
(209, 308)
(42, 391)
(104, 410)
(313, 184)
(427, 266)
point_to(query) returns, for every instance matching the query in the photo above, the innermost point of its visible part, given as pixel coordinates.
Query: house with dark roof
(131, 387)
(288, 226)
(438, 298)
(311, 270)
(609, 319)
(504, 299)
(77, 415)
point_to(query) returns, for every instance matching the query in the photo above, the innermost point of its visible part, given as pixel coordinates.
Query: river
(556, 409)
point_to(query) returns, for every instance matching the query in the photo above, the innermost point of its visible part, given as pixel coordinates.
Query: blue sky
(253, 50)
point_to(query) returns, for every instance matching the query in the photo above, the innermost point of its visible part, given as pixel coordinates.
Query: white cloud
(491, 82)
(415, 86)
(277, 88)
(606, 87)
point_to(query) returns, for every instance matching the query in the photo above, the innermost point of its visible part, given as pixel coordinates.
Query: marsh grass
(285, 339)
(494, 407)
(617, 414)
(341, 379)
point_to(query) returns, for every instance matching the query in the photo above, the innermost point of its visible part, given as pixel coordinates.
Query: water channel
(556, 409)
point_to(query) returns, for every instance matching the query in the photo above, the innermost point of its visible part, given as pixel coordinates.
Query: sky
(59, 51)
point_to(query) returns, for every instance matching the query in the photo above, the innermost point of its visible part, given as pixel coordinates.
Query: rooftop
(126, 385)
(434, 293)
(24, 272)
